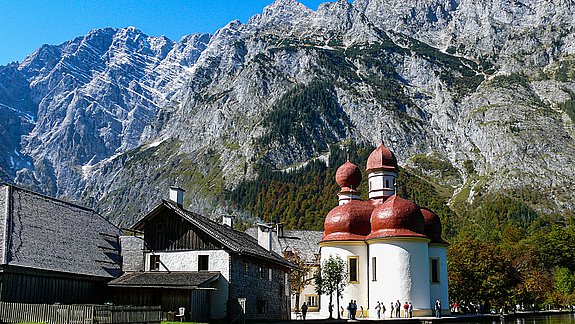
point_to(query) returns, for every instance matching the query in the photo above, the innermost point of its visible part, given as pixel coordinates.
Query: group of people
(352, 310)
(395, 309)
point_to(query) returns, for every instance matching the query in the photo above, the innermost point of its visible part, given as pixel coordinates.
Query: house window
(311, 300)
(246, 269)
(387, 183)
(270, 274)
(353, 269)
(373, 269)
(203, 262)
(262, 306)
(154, 262)
(434, 271)
(159, 227)
(263, 272)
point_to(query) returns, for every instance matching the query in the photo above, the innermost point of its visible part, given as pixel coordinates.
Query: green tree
(298, 278)
(331, 278)
(480, 272)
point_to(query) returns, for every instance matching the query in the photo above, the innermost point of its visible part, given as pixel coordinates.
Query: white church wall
(439, 290)
(403, 273)
(353, 291)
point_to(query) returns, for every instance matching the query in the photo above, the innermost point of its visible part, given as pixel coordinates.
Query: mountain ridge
(210, 107)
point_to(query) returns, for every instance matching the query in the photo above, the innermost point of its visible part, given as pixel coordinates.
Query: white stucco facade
(218, 261)
(402, 266)
(354, 290)
(381, 184)
(439, 290)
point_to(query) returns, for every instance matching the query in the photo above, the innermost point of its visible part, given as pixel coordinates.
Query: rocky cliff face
(118, 116)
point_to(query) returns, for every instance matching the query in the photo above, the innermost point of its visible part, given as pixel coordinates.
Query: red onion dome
(382, 159)
(432, 226)
(348, 222)
(348, 175)
(397, 217)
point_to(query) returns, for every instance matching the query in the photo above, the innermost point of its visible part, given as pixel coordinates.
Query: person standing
(303, 310)
(349, 309)
(397, 309)
(437, 309)
(405, 309)
(391, 310)
(383, 310)
(354, 313)
(410, 310)
(361, 311)
(378, 309)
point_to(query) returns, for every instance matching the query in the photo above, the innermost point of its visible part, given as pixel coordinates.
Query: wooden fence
(78, 314)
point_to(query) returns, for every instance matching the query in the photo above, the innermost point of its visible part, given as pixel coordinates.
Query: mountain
(480, 90)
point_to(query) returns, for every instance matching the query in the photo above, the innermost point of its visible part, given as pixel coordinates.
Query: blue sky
(27, 24)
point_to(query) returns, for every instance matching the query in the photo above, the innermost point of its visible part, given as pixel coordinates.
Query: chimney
(280, 229)
(177, 195)
(228, 220)
(265, 236)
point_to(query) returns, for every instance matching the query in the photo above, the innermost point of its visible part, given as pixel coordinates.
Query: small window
(435, 271)
(353, 269)
(262, 306)
(154, 262)
(387, 183)
(263, 272)
(203, 262)
(246, 269)
(369, 185)
(373, 269)
(270, 274)
(159, 227)
(312, 300)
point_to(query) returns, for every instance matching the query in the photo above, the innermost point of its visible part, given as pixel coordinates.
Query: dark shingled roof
(304, 243)
(45, 233)
(178, 280)
(235, 241)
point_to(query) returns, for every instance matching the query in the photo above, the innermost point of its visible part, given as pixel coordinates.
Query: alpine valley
(475, 98)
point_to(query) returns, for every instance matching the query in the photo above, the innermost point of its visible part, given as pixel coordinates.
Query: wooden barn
(52, 251)
(213, 271)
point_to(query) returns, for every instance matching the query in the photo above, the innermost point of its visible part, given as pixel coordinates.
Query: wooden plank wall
(78, 314)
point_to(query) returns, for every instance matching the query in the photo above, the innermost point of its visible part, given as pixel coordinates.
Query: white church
(393, 248)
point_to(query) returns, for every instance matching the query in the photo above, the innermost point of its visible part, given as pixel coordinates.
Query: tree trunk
(338, 312)
(330, 306)
(297, 302)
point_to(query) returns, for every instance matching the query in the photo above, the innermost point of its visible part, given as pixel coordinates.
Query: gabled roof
(301, 242)
(41, 232)
(234, 241)
(161, 279)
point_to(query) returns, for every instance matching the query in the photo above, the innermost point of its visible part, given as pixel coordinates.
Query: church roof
(348, 175)
(381, 159)
(397, 217)
(41, 232)
(350, 221)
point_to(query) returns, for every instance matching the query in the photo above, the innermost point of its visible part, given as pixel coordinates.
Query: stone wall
(267, 297)
(3, 220)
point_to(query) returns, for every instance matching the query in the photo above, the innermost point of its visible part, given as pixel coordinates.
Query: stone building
(301, 243)
(52, 251)
(183, 259)
(393, 248)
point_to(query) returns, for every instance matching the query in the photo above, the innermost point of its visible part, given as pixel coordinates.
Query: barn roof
(177, 280)
(45, 233)
(236, 241)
